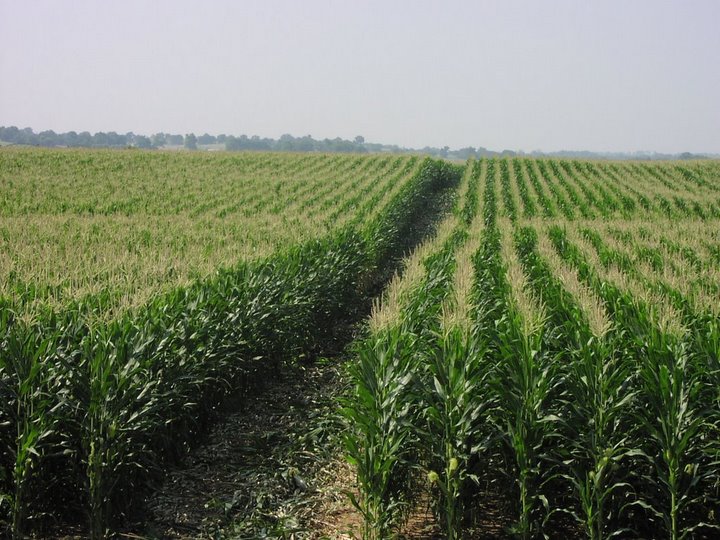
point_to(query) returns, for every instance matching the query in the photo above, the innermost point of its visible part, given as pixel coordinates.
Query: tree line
(286, 143)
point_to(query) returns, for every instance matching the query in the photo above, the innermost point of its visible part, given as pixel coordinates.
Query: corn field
(551, 351)
(143, 290)
(554, 347)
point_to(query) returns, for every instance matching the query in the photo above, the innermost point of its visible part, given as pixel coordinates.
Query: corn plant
(666, 442)
(508, 200)
(545, 203)
(120, 409)
(380, 417)
(454, 406)
(30, 415)
(672, 420)
(593, 399)
(710, 338)
(529, 209)
(469, 209)
(388, 379)
(522, 383)
(598, 397)
(561, 202)
(590, 199)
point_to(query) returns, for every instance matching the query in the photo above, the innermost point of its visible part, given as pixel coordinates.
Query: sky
(610, 75)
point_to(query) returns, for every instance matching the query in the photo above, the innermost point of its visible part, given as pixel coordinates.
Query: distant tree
(359, 139)
(340, 145)
(100, 139)
(465, 153)
(26, 136)
(286, 143)
(373, 147)
(256, 143)
(69, 139)
(221, 138)
(158, 139)
(175, 140)
(142, 142)
(47, 138)
(231, 143)
(9, 134)
(305, 144)
(115, 139)
(206, 139)
(85, 139)
(191, 141)
(484, 152)
(237, 143)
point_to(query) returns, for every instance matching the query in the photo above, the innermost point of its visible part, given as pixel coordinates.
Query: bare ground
(269, 469)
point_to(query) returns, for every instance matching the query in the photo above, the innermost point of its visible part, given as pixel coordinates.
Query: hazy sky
(600, 75)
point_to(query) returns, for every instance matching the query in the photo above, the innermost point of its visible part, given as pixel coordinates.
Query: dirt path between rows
(275, 469)
(271, 469)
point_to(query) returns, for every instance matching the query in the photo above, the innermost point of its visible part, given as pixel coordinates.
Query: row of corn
(588, 408)
(91, 412)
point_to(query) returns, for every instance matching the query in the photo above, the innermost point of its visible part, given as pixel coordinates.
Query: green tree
(191, 141)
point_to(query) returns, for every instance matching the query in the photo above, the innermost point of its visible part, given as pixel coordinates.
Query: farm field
(141, 291)
(119, 228)
(546, 363)
(554, 352)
